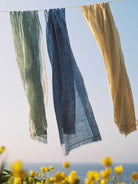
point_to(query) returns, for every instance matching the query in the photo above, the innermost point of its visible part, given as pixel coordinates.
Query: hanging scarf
(27, 37)
(101, 23)
(75, 119)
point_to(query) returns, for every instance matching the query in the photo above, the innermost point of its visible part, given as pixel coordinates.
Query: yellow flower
(118, 169)
(93, 175)
(51, 168)
(73, 177)
(17, 170)
(38, 182)
(39, 175)
(32, 173)
(22, 174)
(106, 173)
(30, 178)
(88, 181)
(24, 182)
(52, 179)
(104, 181)
(134, 176)
(63, 182)
(2, 149)
(17, 180)
(66, 178)
(103, 174)
(66, 164)
(73, 173)
(17, 166)
(44, 169)
(107, 161)
(59, 176)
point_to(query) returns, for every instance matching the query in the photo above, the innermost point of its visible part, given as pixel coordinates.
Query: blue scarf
(75, 119)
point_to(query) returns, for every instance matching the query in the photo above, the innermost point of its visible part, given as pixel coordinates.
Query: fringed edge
(131, 129)
(42, 139)
(80, 143)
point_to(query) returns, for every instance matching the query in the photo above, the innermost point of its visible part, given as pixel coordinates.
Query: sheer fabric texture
(75, 119)
(28, 45)
(101, 23)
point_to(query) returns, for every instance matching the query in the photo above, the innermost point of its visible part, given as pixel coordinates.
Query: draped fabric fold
(75, 119)
(28, 45)
(101, 23)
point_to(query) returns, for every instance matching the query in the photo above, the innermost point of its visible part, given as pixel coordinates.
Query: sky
(14, 119)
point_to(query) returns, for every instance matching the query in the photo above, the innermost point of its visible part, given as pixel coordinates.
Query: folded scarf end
(66, 149)
(128, 131)
(42, 139)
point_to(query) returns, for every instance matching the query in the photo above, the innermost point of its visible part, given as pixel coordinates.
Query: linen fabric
(28, 45)
(101, 23)
(75, 119)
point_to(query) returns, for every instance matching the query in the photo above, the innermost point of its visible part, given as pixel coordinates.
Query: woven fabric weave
(101, 23)
(75, 119)
(28, 45)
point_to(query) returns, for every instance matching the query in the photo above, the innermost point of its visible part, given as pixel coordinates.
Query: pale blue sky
(14, 124)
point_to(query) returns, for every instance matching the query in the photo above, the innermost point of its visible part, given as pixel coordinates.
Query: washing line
(66, 7)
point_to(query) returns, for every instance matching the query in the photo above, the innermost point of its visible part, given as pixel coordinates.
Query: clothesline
(94, 3)
(67, 7)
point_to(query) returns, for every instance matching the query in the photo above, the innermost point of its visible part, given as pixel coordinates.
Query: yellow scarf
(101, 23)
